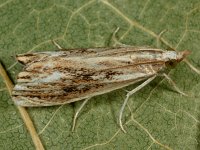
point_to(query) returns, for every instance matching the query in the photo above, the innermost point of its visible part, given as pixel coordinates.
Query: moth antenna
(191, 66)
(77, 113)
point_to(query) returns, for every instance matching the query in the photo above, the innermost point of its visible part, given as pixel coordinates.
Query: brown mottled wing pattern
(53, 78)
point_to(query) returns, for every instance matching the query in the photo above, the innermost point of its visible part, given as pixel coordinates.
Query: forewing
(53, 78)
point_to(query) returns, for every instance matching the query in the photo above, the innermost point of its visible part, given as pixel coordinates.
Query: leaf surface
(156, 117)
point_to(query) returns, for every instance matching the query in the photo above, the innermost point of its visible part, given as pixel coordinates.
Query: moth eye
(171, 63)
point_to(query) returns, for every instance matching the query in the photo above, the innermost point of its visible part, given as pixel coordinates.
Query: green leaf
(157, 117)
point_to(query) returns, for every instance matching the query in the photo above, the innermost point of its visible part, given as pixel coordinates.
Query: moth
(60, 77)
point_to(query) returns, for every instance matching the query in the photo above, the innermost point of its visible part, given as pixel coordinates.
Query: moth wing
(91, 52)
(53, 78)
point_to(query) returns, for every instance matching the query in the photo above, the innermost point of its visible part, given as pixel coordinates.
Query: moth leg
(191, 66)
(116, 42)
(174, 84)
(127, 97)
(57, 45)
(77, 113)
(159, 37)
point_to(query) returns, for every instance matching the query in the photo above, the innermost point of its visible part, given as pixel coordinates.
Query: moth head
(172, 62)
(182, 55)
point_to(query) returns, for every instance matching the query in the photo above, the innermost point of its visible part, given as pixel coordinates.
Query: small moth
(60, 77)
